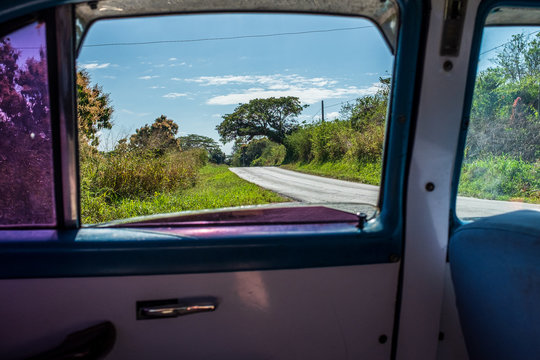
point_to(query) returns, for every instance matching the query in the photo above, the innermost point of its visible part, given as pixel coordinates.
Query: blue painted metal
(107, 252)
(11, 9)
(102, 252)
(495, 264)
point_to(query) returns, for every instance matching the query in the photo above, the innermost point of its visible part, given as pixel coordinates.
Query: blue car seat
(495, 266)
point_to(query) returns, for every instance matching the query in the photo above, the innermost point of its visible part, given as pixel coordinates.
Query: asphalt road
(343, 194)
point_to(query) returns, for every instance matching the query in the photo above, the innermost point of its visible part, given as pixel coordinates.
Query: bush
(298, 145)
(273, 154)
(501, 178)
(259, 152)
(132, 174)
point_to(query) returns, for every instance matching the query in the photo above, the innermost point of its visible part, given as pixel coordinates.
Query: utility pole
(322, 110)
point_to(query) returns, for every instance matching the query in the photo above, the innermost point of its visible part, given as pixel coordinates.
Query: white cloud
(307, 95)
(309, 90)
(179, 64)
(276, 81)
(147, 77)
(95, 65)
(173, 59)
(331, 115)
(134, 113)
(177, 79)
(173, 95)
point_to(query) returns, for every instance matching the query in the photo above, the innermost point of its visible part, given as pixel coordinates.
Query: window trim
(83, 252)
(6, 29)
(481, 16)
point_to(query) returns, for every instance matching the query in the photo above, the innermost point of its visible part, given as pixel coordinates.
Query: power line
(341, 103)
(226, 38)
(499, 46)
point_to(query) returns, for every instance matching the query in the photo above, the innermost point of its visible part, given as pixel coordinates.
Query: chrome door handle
(176, 310)
(172, 308)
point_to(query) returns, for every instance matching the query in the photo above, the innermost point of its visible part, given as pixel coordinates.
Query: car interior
(411, 229)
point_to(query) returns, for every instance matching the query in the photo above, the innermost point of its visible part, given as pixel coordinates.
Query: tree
(156, 138)
(194, 141)
(25, 138)
(369, 109)
(505, 111)
(14, 109)
(274, 118)
(94, 109)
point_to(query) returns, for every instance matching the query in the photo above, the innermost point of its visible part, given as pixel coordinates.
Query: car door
(284, 291)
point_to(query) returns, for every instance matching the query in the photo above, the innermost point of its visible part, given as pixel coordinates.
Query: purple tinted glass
(26, 167)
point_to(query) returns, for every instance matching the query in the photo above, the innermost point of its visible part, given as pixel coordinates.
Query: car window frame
(482, 14)
(83, 252)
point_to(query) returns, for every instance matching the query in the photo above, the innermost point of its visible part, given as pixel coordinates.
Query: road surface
(316, 189)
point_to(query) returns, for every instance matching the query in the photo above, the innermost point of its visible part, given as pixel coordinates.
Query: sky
(195, 83)
(188, 68)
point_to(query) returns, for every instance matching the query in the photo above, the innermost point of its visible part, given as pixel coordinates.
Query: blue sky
(195, 83)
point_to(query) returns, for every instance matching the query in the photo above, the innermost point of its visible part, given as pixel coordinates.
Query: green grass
(366, 173)
(216, 187)
(501, 178)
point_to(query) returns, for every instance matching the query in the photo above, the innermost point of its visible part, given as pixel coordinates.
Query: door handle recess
(89, 344)
(158, 309)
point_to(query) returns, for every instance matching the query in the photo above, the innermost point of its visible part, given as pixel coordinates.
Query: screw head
(447, 66)
(383, 339)
(430, 186)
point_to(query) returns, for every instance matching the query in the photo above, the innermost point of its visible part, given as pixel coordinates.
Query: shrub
(259, 152)
(272, 154)
(502, 178)
(298, 145)
(132, 174)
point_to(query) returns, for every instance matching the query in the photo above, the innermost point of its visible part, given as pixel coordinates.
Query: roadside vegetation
(502, 152)
(156, 171)
(215, 187)
(152, 171)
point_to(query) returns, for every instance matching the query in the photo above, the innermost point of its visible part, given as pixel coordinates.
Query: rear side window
(501, 165)
(26, 180)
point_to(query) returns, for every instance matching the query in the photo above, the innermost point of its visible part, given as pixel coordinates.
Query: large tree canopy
(273, 117)
(94, 109)
(157, 138)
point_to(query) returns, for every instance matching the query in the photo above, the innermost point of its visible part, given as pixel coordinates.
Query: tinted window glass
(225, 110)
(26, 181)
(501, 166)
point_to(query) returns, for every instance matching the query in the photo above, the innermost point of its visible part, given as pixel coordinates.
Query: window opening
(200, 112)
(500, 171)
(26, 166)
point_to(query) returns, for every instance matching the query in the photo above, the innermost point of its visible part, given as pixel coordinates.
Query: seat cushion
(495, 266)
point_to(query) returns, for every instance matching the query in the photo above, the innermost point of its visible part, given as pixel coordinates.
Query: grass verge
(366, 173)
(216, 187)
(501, 178)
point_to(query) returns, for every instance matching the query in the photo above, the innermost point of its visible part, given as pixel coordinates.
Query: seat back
(495, 266)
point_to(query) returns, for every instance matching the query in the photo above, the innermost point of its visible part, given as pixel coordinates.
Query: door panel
(326, 313)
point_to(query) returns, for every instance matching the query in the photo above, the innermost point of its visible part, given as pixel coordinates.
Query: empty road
(316, 189)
